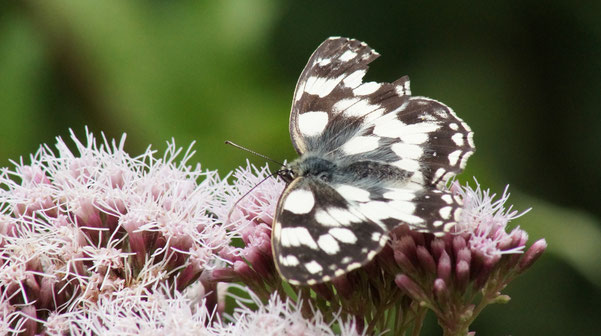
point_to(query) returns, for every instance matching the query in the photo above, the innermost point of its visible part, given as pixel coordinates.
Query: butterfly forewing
(334, 69)
(372, 155)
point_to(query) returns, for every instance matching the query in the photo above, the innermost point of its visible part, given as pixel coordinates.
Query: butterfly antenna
(229, 214)
(227, 142)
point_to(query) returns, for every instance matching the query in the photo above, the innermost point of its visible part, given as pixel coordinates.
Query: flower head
(486, 218)
(444, 273)
(95, 241)
(248, 207)
(79, 227)
(280, 317)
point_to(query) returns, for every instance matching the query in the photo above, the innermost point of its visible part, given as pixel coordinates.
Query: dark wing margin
(318, 235)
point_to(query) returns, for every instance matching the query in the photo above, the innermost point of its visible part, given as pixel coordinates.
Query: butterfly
(371, 157)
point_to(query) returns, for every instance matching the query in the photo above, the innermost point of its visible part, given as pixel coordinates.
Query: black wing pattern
(389, 156)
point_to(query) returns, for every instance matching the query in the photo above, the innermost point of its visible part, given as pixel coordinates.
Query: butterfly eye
(287, 175)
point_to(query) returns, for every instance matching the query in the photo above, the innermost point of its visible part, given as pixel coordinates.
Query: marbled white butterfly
(372, 157)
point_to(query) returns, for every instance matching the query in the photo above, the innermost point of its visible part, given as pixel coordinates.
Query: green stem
(419, 321)
(375, 319)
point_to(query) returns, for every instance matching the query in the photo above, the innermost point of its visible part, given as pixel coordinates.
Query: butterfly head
(308, 165)
(286, 174)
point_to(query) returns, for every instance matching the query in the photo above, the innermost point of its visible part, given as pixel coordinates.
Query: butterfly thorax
(362, 172)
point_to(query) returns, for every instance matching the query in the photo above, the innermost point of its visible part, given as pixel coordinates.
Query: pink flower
(80, 228)
(279, 317)
(248, 207)
(251, 198)
(443, 273)
(95, 241)
(486, 220)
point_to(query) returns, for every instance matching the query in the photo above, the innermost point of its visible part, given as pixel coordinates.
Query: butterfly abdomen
(374, 172)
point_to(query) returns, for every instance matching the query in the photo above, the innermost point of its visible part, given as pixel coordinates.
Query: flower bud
(343, 286)
(29, 327)
(459, 243)
(404, 262)
(462, 274)
(532, 254)
(443, 269)
(410, 287)
(426, 260)
(437, 246)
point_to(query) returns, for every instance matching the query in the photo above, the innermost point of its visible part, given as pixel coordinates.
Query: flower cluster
(79, 228)
(249, 206)
(96, 242)
(282, 317)
(457, 275)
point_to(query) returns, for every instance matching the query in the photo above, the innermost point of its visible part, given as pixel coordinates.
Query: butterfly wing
(336, 66)
(335, 113)
(318, 234)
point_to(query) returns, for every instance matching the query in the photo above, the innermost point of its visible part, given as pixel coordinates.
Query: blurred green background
(526, 75)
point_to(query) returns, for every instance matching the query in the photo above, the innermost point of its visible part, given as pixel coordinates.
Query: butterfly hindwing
(318, 234)
(421, 135)
(427, 210)
(322, 231)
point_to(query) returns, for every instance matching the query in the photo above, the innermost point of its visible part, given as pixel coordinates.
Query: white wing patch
(343, 104)
(328, 244)
(399, 195)
(360, 144)
(457, 139)
(354, 79)
(399, 210)
(343, 235)
(407, 164)
(418, 130)
(454, 156)
(407, 151)
(313, 267)
(312, 123)
(299, 201)
(360, 109)
(388, 127)
(321, 86)
(353, 193)
(347, 56)
(366, 88)
(297, 236)
(289, 260)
